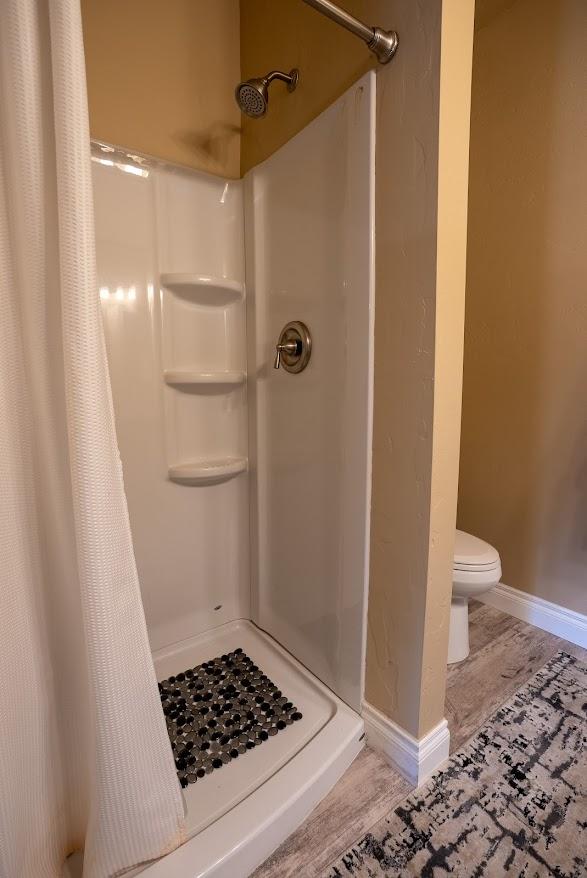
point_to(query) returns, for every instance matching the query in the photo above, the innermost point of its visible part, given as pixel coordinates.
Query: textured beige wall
(451, 248)
(406, 213)
(523, 482)
(161, 79)
(421, 251)
(409, 597)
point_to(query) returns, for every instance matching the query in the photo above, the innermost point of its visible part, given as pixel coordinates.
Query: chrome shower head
(252, 96)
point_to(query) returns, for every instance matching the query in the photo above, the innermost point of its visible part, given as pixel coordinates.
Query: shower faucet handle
(294, 347)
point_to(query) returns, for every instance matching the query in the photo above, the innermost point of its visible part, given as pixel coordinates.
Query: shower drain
(218, 710)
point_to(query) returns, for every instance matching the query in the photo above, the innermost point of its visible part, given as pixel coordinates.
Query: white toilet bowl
(476, 569)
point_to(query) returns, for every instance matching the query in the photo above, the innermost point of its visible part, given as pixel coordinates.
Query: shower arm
(382, 43)
(290, 78)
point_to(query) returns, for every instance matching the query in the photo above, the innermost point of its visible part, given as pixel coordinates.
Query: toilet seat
(474, 555)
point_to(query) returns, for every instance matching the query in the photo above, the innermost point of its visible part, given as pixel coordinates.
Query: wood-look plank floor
(505, 653)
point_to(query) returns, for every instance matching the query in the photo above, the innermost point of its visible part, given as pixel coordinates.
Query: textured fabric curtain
(85, 761)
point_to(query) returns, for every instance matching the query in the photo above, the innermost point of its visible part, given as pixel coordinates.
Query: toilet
(476, 570)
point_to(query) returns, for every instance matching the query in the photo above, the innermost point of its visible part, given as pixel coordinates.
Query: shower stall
(248, 486)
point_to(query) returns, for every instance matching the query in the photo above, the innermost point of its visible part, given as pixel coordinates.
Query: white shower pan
(237, 815)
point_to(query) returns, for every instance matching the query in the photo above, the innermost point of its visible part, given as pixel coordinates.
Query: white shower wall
(310, 257)
(191, 543)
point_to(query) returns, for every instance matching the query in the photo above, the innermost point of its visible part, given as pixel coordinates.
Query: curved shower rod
(383, 43)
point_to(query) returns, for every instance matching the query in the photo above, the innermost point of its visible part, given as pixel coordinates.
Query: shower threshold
(238, 815)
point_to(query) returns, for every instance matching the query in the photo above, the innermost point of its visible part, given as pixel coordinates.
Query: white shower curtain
(85, 761)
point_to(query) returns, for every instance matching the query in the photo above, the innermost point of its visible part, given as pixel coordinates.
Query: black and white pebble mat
(218, 710)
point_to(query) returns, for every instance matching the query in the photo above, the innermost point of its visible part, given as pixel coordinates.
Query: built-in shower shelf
(207, 472)
(213, 380)
(204, 290)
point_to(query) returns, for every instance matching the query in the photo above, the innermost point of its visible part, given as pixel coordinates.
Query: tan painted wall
(451, 248)
(161, 79)
(409, 597)
(523, 482)
(406, 212)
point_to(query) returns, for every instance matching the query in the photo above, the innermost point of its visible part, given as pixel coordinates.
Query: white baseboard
(415, 759)
(543, 614)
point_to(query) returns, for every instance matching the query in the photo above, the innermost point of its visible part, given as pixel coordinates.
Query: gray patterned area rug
(511, 802)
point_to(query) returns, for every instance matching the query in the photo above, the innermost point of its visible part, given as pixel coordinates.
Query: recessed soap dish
(187, 377)
(203, 289)
(207, 471)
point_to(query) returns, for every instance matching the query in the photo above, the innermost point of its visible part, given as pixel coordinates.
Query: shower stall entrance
(248, 486)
